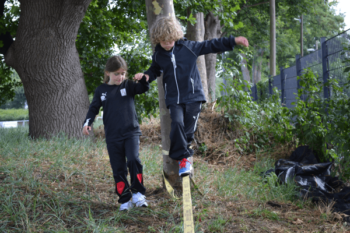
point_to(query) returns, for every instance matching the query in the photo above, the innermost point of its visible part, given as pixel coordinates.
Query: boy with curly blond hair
(176, 57)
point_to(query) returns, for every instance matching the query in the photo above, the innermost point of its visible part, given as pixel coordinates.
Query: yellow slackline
(186, 197)
(187, 205)
(187, 201)
(169, 188)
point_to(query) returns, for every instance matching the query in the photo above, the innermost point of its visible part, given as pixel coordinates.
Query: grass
(66, 185)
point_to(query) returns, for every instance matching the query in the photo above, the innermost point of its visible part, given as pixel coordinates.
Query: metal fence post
(326, 93)
(298, 67)
(282, 85)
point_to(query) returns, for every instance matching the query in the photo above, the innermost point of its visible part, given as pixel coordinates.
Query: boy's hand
(242, 41)
(139, 76)
(86, 130)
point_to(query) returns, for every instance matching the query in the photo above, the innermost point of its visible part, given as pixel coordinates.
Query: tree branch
(7, 40)
(245, 6)
(2, 7)
(5, 37)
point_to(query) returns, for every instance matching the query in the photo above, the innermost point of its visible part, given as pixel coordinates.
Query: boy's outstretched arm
(217, 45)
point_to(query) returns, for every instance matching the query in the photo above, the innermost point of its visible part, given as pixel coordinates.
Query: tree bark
(212, 30)
(259, 70)
(157, 9)
(257, 65)
(244, 68)
(272, 38)
(196, 33)
(46, 59)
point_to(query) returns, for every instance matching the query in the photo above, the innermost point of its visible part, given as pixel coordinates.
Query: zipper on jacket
(174, 64)
(165, 92)
(192, 85)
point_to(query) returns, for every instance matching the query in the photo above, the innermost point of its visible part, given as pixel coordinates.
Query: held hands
(139, 76)
(242, 41)
(86, 130)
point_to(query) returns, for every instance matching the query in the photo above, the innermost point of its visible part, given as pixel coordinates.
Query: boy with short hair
(176, 57)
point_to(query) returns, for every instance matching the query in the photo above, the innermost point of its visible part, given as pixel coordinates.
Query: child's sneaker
(185, 167)
(126, 206)
(139, 200)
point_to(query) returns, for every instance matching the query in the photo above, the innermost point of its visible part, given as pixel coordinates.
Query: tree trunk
(212, 30)
(46, 59)
(259, 70)
(272, 38)
(244, 68)
(196, 33)
(257, 65)
(170, 167)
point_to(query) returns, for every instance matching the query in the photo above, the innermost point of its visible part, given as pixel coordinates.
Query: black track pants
(120, 152)
(184, 119)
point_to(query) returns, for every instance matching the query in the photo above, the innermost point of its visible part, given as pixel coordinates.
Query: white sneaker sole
(130, 206)
(144, 204)
(186, 173)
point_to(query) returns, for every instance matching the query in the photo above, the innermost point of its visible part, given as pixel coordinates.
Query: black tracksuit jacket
(181, 79)
(119, 114)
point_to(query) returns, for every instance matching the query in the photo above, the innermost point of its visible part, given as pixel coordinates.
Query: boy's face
(116, 77)
(167, 45)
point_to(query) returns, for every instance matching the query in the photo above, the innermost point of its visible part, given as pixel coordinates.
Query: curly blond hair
(166, 29)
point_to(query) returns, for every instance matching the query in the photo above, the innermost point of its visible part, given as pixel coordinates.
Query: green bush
(324, 124)
(256, 125)
(13, 114)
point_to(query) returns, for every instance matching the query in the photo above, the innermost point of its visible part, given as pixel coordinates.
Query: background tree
(212, 31)
(8, 27)
(255, 18)
(45, 57)
(170, 167)
(19, 100)
(319, 20)
(195, 32)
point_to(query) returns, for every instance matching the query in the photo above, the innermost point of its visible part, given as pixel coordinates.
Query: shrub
(324, 124)
(257, 124)
(13, 114)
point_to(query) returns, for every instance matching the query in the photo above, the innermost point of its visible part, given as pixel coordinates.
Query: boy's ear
(107, 73)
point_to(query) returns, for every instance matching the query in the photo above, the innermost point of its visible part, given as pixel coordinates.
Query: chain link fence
(326, 62)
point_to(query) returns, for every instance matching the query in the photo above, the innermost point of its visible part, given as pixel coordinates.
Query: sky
(344, 7)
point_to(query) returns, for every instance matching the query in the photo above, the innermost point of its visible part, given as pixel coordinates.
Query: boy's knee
(177, 123)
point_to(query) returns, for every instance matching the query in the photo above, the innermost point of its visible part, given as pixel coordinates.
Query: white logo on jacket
(123, 92)
(104, 96)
